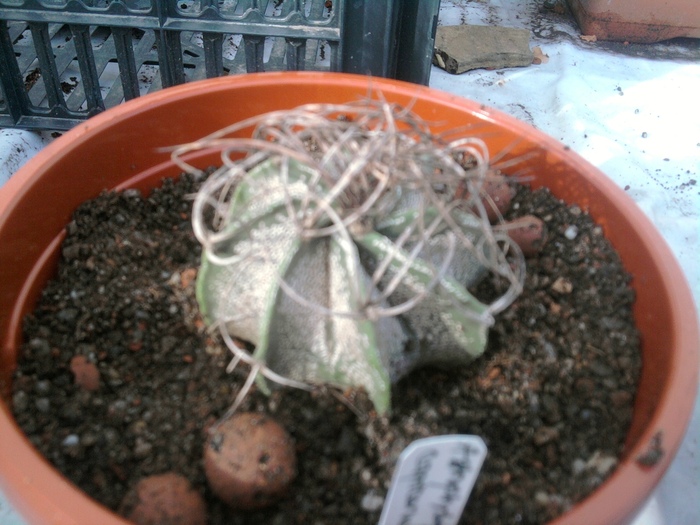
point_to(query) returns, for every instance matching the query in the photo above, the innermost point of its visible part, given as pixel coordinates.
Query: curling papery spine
(370, 176)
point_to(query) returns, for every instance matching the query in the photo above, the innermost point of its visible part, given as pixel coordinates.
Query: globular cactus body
(347, 262)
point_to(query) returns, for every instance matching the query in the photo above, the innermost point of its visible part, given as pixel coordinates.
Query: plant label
(432, 481)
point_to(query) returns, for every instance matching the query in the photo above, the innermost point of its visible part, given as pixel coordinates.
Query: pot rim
(613, 502)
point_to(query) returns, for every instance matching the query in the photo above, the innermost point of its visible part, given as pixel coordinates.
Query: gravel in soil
(552, 396)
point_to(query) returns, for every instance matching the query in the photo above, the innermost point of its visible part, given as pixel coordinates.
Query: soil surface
(552, 397)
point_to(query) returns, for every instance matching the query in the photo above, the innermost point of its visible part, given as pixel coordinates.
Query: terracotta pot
(642, 21)
(121, 149)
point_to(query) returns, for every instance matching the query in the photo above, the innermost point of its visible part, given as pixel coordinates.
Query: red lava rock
(164, 499)
(498, 194)
(528, 232)
(86, 374)
(188, 276)
(621, 399)
(249, 461)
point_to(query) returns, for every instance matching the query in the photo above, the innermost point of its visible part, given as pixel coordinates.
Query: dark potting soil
(552, 396)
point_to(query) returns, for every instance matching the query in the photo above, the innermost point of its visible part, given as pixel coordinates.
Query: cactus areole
(341, 242)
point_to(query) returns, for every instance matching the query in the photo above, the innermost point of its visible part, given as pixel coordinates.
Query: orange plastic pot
(121, 148)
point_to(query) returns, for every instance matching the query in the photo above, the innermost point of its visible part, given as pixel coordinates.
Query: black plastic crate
(62, 61)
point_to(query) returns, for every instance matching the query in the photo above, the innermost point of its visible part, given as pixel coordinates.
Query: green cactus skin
(330, 329)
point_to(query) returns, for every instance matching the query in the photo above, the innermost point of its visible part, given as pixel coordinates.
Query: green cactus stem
(338, 248)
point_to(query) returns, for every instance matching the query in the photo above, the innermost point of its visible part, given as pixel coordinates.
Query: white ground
(632, 111)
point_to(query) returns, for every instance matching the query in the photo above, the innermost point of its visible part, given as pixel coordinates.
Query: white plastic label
(432, 481)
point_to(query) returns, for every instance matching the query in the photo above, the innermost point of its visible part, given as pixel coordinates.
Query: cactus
(336, 242)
